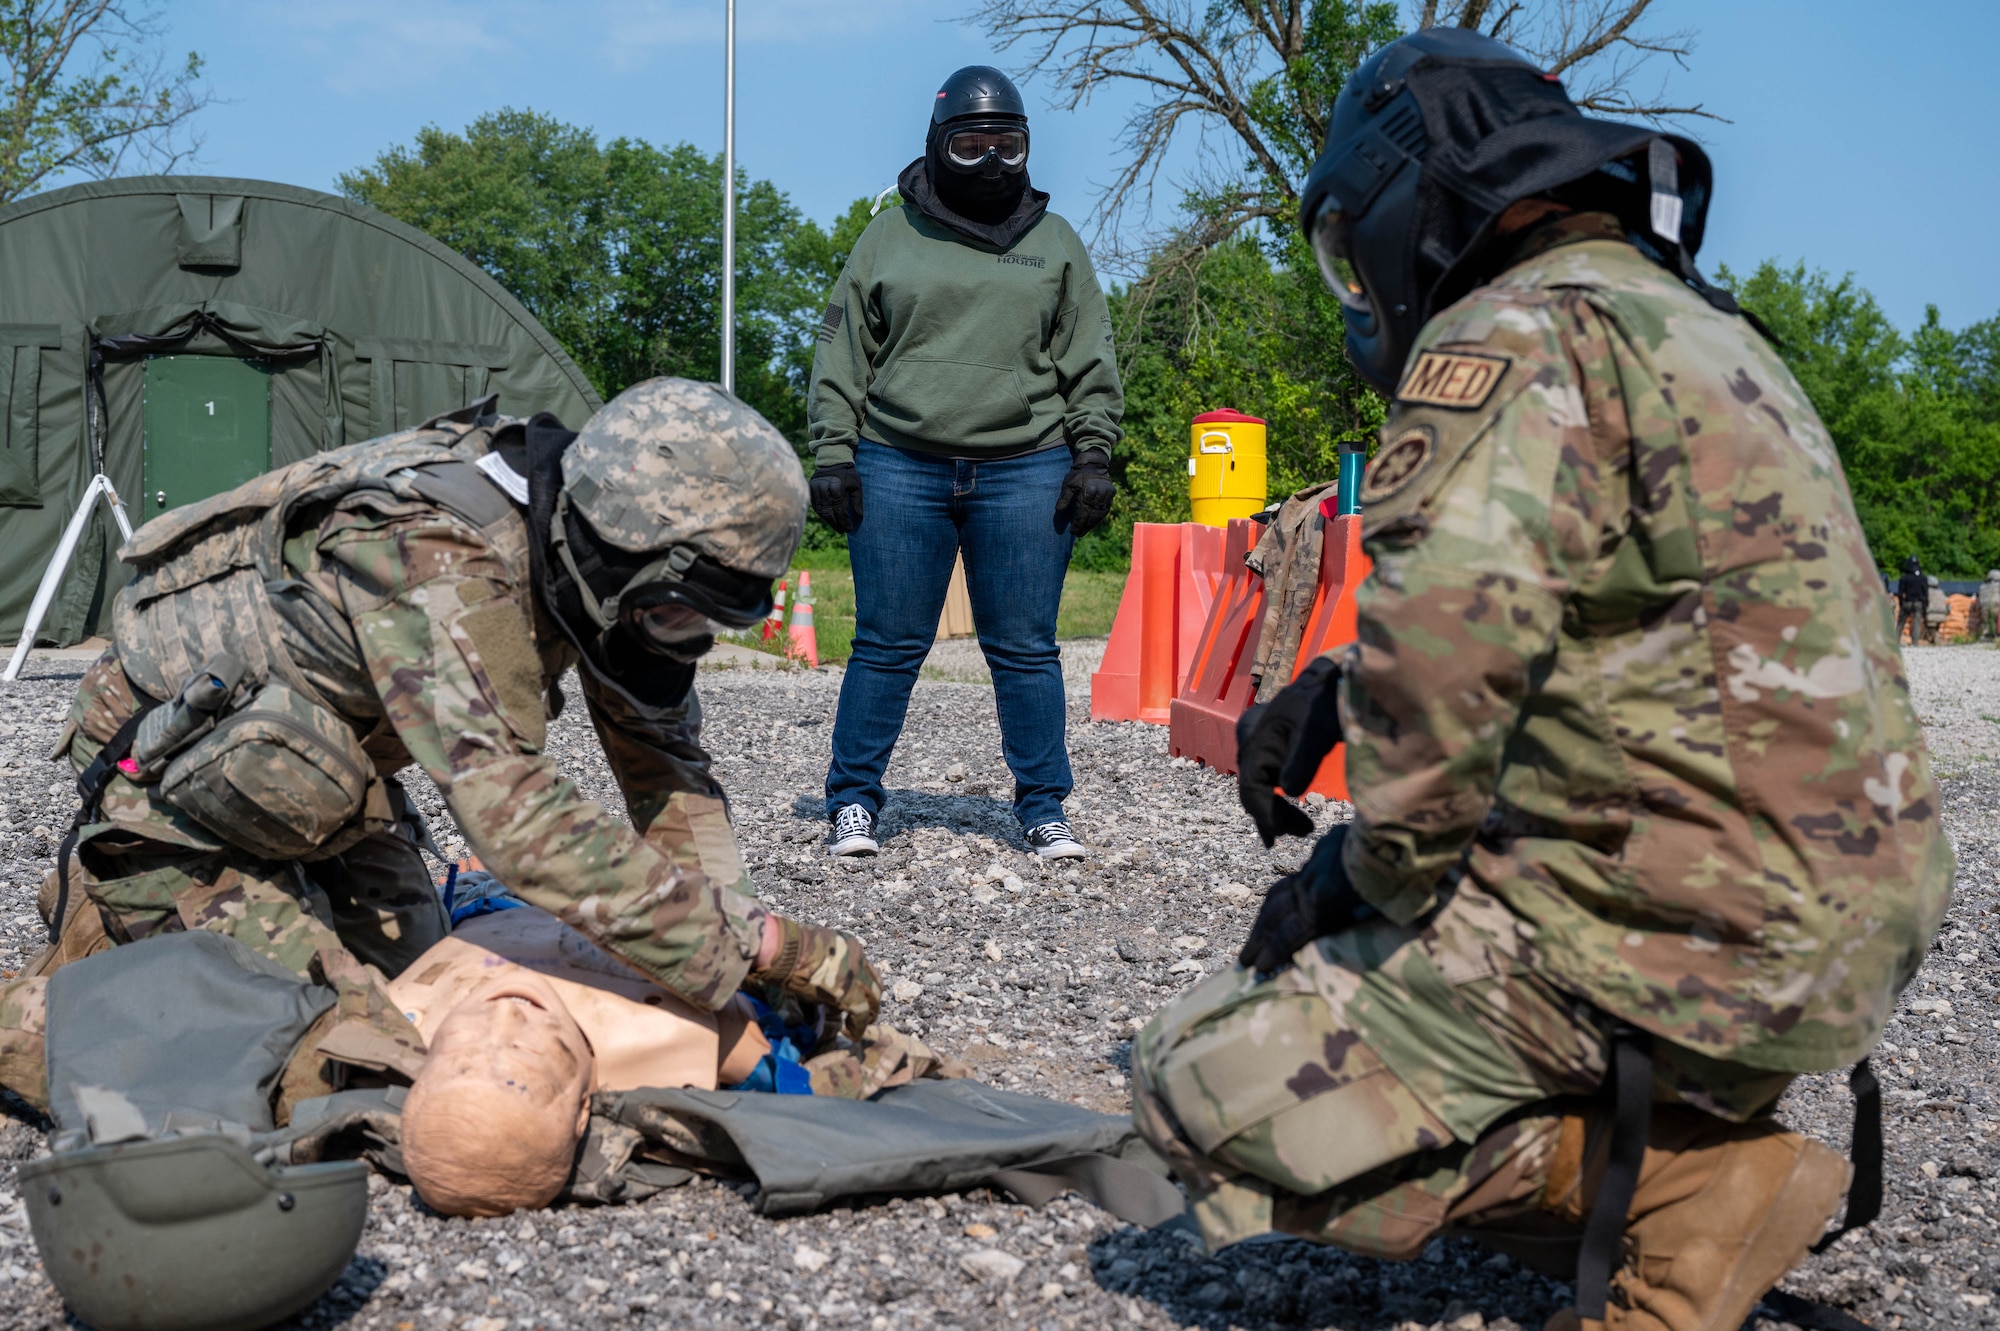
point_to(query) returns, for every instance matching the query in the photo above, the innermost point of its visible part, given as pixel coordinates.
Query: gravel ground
(1956, 698)
(1038, 977)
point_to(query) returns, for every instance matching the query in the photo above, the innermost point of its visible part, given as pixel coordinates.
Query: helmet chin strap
(559, 584)
(604, 613)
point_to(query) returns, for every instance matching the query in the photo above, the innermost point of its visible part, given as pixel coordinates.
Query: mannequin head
(492, 1123)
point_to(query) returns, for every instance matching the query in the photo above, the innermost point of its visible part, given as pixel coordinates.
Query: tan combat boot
(82, 932)
(1722, 1212)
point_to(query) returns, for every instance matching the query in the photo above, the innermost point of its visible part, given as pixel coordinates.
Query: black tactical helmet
(191, 1233)
(979, 125)
(1433, 137)
(978, 90)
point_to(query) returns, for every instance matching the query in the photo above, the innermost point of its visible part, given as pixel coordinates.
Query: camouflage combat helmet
(191, 1232)
(672, 462)
(690, 499)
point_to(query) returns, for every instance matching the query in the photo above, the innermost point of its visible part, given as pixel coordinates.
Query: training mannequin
(524, 1018)
(494, 1119)
(639, 1034)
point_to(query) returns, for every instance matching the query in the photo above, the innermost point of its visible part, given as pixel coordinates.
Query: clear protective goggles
(674, 599)
(1330, 247)
(970, 147)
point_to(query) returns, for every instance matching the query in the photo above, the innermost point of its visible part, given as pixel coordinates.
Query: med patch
(1454, 380)
(1398, 464)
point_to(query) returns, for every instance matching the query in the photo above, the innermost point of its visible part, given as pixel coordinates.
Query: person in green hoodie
(964, 398)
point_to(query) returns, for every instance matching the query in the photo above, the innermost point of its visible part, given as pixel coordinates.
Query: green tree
(1234, 329)
(1916, 418)
(83, 90)
(617, 248)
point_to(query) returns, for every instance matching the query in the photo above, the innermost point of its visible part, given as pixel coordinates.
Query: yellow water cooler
(1226, 467)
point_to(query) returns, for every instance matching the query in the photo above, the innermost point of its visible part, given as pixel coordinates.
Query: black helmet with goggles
(979, 125)
(1435, 136)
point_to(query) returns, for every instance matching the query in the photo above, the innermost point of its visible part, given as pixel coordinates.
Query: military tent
(184, 333)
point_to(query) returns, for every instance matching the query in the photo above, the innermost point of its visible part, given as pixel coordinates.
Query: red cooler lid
(1226, 417)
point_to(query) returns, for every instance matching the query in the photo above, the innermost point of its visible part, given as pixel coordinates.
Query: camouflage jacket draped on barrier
(1625, 662)
(422, 631)
(1287, 558)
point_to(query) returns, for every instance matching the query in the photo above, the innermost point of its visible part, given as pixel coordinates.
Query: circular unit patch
(1397, 464)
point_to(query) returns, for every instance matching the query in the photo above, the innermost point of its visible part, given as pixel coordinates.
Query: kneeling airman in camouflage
(1632, 752)
(286, 647)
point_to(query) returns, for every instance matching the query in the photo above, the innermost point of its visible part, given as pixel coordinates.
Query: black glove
(1281, 743)
(836, 496)
(1316, 901)
(1085, 498)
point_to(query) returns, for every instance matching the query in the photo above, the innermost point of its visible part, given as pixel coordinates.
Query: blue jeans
(918, 512)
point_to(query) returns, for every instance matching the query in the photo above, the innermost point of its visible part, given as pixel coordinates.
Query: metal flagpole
(729, 201)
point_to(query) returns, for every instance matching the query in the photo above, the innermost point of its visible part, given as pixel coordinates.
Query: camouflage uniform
(1287, 559)
(1629, 739)
(419, 629)
(422, 631)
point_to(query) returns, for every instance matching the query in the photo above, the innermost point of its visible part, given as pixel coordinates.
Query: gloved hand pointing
(823, 966)
(1085, 498)
(836, 496)
(1281, 743)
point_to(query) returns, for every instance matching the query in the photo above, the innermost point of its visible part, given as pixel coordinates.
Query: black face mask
(983, 199)
(653, 682)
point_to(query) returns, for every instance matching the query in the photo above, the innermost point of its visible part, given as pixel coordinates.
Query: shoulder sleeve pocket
(494, 640)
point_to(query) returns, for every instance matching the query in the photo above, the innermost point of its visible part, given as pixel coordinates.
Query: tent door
(208, 427)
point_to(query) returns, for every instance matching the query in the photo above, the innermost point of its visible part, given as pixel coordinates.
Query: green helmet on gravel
(191, 1233)
(691, 504)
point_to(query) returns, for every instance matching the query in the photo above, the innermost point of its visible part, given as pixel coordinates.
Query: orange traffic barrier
(1202, 719)
(804, 644)
(774, 623)
(1175, 570)
(1219, 687)
(1343, 567)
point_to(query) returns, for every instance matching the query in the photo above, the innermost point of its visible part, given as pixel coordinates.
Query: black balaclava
(976, 97)
(651, 683)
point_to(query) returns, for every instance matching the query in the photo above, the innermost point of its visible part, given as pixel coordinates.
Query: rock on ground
(1038, 977)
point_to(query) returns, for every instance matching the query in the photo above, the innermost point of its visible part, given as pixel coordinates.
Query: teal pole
(1353, 457)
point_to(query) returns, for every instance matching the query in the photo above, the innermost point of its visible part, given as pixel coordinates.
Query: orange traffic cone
(805, 644)
(774, 623)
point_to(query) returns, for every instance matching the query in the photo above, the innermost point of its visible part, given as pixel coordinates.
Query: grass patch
(833, 614)
(1089, 604)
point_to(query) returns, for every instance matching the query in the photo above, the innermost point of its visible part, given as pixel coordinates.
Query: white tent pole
(53, 578)
(117, 507)
(729, 200)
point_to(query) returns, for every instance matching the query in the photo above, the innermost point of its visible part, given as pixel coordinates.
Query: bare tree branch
(73, 101)
(1263, 75)
(1202, 60)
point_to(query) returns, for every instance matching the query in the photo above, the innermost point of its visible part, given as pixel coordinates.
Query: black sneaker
(853, 831)
(1054, 841)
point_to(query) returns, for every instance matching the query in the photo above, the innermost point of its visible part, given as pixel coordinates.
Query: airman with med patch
(1632, 755)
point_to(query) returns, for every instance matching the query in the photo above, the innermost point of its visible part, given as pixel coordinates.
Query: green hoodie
(939, 344)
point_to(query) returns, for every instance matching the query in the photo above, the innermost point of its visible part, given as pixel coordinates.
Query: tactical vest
(279, 771)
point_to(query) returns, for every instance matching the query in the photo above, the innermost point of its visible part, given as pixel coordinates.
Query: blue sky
(1858, 141)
